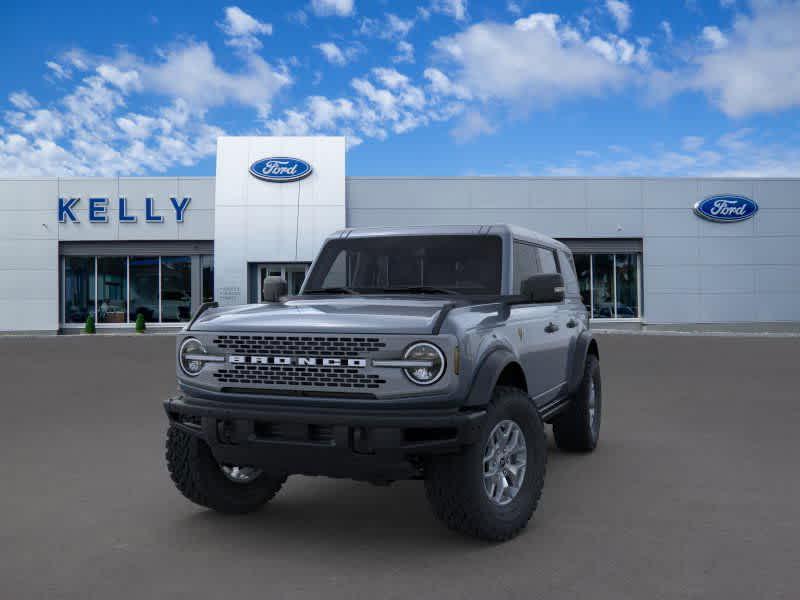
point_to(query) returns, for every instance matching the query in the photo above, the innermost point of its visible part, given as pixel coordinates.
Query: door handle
(572, 323)
(551, 327)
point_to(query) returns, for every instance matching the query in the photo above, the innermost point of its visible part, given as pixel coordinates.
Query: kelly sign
(99, 208)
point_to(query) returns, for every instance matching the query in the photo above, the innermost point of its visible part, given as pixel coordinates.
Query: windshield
(446, 264)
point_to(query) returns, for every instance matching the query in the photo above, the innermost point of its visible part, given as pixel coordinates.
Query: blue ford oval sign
(280, 169)
(726, 209)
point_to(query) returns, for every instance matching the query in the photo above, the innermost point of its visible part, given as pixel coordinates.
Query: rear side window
(547, 260)
(568, 270)
(526, 263)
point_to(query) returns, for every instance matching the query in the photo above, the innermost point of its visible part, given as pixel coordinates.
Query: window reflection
(112, 290)
(603, 286)
(207, 267)
(584, 277)
(597, 276)
(176, 289)
(627, 286)
(144, 288)
(78, 288)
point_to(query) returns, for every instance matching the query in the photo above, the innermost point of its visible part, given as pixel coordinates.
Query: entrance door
(293, 273)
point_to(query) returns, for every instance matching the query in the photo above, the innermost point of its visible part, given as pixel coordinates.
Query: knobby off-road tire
(455, 483)
(577, 429)
(198, 476)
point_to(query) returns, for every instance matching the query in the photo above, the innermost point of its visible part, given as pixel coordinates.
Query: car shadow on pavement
(338, 516)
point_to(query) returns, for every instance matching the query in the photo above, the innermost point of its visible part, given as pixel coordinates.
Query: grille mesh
(289, 345)
(296, 376)
(291, 375)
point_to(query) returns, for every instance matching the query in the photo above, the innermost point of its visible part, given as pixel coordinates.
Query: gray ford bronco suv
(435, 353)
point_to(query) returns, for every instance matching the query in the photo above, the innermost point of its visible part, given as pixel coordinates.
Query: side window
(568, 270)
(547, 260)
(526, 264)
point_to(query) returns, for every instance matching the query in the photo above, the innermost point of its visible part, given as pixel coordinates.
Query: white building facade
(116, 248)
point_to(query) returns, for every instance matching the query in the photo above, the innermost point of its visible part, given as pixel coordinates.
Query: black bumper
(371, 444)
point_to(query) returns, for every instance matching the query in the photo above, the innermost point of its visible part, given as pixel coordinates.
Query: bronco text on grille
(329, 362)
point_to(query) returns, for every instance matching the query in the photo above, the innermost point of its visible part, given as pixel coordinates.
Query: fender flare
(489, 371)
(584, 343)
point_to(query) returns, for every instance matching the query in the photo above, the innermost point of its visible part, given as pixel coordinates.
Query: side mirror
(273, 289)
(544, 288)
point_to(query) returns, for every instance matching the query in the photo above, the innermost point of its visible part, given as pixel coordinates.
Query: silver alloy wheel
(592, 402)
(504, 460)
(240, 474)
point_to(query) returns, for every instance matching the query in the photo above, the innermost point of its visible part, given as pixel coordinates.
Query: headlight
(192, 356)
(431, 363)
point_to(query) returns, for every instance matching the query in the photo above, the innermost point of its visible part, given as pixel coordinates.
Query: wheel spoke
(504, 460)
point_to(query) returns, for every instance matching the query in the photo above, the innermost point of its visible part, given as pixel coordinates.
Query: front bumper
(369, 443)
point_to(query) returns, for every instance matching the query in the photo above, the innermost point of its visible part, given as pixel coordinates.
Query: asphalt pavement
(693, 492)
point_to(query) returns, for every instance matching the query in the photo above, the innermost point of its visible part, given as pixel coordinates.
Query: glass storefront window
(583, 271)
(609, 284)
(207, 270)
(176, 289)
(78, 288)
(627, 277)
(603, 286)
(112, 292)
(144, 288)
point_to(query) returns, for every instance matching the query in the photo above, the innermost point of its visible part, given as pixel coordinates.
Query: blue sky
(437, 87)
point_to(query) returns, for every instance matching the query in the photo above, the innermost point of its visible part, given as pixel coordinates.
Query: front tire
(577, 429)
(463, 489)
(199, 477)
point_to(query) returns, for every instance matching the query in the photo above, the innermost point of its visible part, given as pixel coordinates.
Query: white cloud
(441, 84)
(536, 60)
(621, 11)
(758, 70)
(243, 29)
(191, 72)
(514, 8)
(91, 131)
(59, 71)
(339, 8)
(398, 27)
(336, 55)
(666, 27)
(391, 27)
(735, 154)
(472, 124)
(453, 8)
(405, 53)
(385, 101)
(715, 37)
(22, 100)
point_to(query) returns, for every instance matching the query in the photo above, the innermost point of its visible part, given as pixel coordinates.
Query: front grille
(288, 345)
(291, 375)
(298, 377)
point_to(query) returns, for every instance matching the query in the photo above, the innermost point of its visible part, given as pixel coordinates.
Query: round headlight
(190, 356)
(431, 363)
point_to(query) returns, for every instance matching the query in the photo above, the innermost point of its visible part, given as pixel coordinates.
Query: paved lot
(694, 491)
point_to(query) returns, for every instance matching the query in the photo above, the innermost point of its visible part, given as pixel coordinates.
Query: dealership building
(650, 252)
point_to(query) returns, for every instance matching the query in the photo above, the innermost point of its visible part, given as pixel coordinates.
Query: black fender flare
(584, 343)
(489, 371)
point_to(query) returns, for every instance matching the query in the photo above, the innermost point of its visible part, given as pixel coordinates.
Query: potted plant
(140, 324)
(89, 327)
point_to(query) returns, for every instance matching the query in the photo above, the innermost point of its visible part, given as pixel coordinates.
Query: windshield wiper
(421, 289)
(332, 290)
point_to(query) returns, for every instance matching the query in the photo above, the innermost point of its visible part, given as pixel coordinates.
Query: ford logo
(280, 169)
(726, 209)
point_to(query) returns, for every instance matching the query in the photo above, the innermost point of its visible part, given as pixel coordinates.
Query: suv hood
(355, 314)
